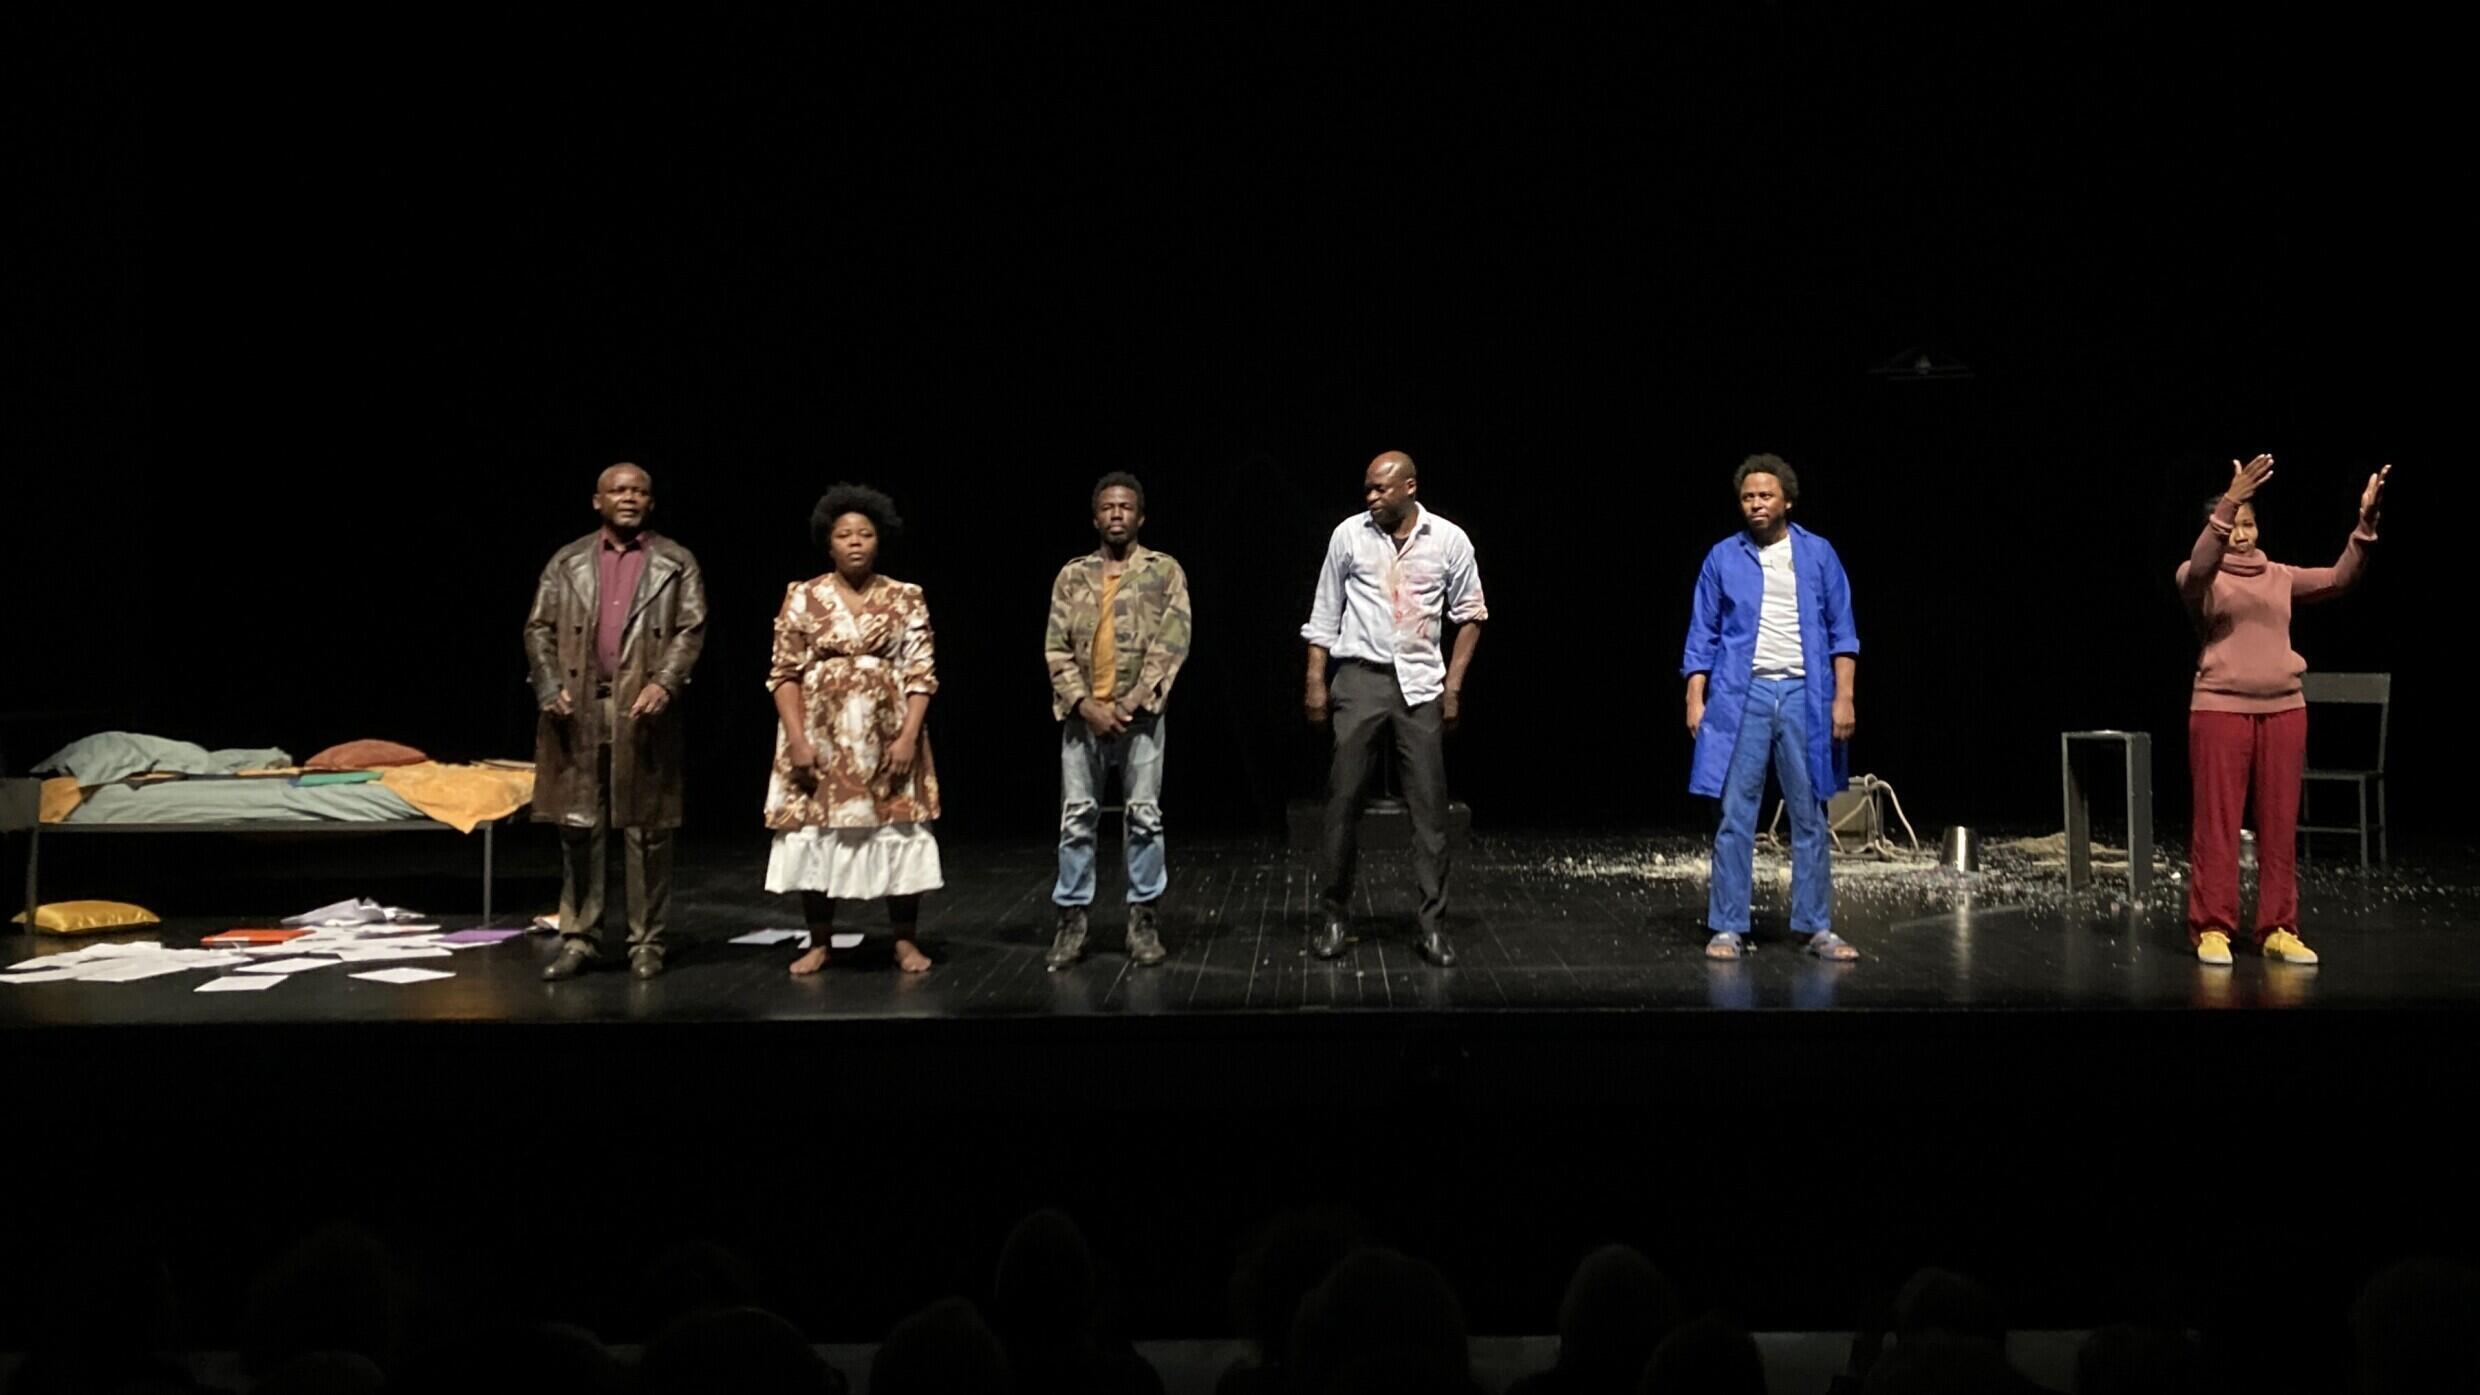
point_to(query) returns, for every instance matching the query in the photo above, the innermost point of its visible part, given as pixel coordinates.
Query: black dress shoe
(1328, 942)
(1437, 948)
(646, 963)
(573, 960)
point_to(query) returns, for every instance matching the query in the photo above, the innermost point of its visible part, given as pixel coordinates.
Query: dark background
(322, 334)
(318, 332)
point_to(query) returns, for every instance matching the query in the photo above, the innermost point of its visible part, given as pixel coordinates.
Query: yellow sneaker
(2288, 948)
(2213, 947)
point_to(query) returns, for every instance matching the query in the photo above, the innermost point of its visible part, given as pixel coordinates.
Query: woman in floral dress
(853, 792)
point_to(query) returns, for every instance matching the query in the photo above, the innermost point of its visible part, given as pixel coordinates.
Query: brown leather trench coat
(666, 628)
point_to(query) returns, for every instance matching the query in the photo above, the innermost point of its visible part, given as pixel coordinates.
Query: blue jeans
(1773, 730)
(1085, 763)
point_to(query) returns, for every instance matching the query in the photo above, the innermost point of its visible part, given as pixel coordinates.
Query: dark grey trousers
(585, 869)
(1367, 701)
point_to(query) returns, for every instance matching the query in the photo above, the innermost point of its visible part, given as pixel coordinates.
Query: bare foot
(811, 962)
(910, 959)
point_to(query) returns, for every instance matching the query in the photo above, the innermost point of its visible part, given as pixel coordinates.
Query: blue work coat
(1722, 644)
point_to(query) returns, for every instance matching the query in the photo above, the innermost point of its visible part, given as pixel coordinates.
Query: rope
(1878, 845)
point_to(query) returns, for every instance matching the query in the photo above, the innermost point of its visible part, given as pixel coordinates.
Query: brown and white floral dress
(860, 833)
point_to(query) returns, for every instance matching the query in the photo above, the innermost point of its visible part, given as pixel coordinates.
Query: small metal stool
(2138, 749)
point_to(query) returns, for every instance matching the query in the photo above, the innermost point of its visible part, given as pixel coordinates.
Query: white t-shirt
(1778, 625)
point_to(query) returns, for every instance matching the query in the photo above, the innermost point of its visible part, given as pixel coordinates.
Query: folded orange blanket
(462, 796)
(61, 796)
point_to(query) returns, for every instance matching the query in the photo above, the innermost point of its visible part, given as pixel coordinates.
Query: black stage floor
(1545, 924)
(2042, 1088)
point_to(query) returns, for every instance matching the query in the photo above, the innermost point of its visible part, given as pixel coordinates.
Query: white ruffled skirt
(856, 864)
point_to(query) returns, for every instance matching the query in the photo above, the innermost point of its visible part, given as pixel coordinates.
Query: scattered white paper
(404, 975)
(354, 910)
(135, 969)
(116, 963)
(340, 941)
(239, 983)
(360, 910)
(287, 966)
(799, 939)
(370, 954)
(86, 954)
(44, 967)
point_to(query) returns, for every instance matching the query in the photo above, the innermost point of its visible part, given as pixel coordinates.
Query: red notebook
(253, 937)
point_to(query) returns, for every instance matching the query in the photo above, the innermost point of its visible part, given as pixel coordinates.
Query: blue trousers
(1085, 762)
(1773, 731)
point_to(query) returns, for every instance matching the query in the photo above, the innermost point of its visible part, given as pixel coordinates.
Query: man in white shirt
(1395, 577)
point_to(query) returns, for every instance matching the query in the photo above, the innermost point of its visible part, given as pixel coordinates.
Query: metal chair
(2354, 689)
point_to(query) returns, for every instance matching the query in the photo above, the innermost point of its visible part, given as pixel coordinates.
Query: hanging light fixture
(1921, 365)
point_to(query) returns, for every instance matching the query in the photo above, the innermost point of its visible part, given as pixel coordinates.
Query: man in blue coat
(1769, 663)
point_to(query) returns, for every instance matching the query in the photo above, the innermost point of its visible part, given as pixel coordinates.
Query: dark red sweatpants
(2231, 754)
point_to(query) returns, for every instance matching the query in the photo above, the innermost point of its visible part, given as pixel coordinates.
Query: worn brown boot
(1068, 943)
(1145, 944)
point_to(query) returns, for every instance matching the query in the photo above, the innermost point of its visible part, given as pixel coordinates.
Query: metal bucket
(1961, 850)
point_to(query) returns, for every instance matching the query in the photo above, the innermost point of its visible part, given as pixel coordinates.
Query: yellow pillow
(87, 917)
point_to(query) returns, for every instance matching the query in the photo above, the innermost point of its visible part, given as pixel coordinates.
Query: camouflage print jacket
(1149, 625)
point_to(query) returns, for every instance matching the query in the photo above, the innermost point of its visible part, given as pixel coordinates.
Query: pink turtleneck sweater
(2242, 608)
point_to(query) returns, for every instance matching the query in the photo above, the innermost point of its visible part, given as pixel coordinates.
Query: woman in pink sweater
(2247, 725)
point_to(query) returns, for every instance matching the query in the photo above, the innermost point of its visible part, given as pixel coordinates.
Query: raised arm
(2309, 584)
(2204, 560)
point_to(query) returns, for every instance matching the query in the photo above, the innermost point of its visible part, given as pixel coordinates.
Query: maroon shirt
(619, 566)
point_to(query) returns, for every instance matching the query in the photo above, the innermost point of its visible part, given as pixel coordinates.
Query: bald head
(602, 482)
(624, 495)
(1389, 485)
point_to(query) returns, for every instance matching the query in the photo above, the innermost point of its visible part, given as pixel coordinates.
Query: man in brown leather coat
(618, 620)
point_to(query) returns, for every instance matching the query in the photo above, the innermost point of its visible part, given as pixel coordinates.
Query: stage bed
(228, 805)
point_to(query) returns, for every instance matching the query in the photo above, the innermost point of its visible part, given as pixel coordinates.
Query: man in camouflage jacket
(1118, 632)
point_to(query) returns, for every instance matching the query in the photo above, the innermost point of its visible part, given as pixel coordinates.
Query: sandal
(1726, 945)
(1825, 944)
